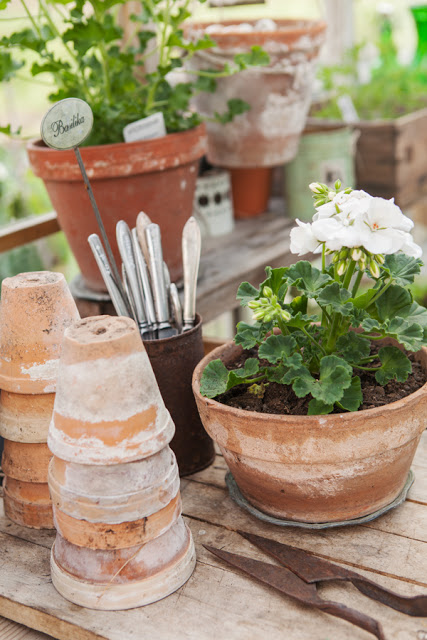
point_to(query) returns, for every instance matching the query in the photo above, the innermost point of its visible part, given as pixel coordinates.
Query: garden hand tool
(142, 222)
(287, 582)
(120, 304)
(313, 570)
(175, 306)
(154, 246)
(124, 242)
(191, 248)
(144, 280)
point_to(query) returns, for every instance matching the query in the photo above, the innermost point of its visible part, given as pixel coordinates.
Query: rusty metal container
(173, 361)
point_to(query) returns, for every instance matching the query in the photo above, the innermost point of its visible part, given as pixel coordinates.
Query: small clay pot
(25, 418)
(251, 188)
(108, 408)
(115, 493)
(35, 311)
(28, 504)
(104, 535)
(124, 578)
(27, 462)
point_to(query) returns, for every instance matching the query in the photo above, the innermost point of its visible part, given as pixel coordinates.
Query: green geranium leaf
(389, 304)
(335, 376)
(236, 107)
(336, 297)
(250, 368)
(276, 374)
(414, 313)
(410, 335)
(300, 321)
(3, 4)
(362, 301)
(299, 304)
(394, 366)
(246, 292)
(248, 335)
(307, 278)
(353, 347)
(352, 397)
(402, 268)
(8, 66)
(277, 348)
(319, 408)
(214, 379)
(294, 368)
(255, 57)
(276, 280)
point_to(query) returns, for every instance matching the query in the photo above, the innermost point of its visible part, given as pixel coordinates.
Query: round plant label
(67, 124)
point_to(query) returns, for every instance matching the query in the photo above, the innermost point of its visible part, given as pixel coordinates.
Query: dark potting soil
(281, 399)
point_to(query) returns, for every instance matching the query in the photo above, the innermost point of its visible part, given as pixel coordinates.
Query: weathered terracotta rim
(293, 27)
(337, 420)
(124, 158)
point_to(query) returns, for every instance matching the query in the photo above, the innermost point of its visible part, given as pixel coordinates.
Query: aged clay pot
(25, 418)
(105, 535)
(28, 462)
(251, 190)
(158, 176)
(35, 311)
(279, 95)
(115, 493)
(108, 408)
(316, 468)
(28, 503)
(124, 578)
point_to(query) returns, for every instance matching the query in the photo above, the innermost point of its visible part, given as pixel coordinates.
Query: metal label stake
(65, 126)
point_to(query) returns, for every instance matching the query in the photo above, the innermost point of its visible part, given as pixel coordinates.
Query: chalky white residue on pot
(108, 390)
(45, 371)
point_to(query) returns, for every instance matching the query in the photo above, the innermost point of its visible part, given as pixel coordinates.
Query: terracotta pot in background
(251, 190)
(27, 462)
(279, 94)
(157, 176)
(124, 578)
(36, 309)
(25, 418)
(108, 408)
(316, 468)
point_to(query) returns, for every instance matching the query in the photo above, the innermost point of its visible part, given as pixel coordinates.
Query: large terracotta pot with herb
(157, 176)
(320, 418)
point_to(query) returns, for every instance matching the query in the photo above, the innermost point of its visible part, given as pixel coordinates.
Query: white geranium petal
(410, 248)
(302, 239)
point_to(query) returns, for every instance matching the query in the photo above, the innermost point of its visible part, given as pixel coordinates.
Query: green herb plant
(321, 354)
(79, 45)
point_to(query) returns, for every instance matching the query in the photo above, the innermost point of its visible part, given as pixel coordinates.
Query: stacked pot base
(114, 481)
(124, 578)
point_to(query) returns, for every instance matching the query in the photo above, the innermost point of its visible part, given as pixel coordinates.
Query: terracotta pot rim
(343, 420)
(286, 27)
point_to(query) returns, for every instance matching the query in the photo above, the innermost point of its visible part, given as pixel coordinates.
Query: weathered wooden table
(218, 603)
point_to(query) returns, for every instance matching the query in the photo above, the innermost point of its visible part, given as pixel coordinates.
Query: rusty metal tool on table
(191, 248)
(312, 569)
(291, 585)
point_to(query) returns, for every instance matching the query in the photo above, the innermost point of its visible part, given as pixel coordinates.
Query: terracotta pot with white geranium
(319, 406)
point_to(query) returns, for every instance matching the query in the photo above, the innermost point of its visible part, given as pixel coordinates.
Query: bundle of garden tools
(146, 292)
(300, 572)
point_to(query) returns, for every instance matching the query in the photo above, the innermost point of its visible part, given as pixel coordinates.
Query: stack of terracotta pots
(121, 541)
(36, 309)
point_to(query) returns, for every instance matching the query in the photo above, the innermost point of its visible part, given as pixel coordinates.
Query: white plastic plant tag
(347, 108)
(67, 124)
(145, 129)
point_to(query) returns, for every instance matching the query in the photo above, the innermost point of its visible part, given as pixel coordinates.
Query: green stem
(349, 274)
(373, 337)
(33, 22)
(357, 283)
(380, 293)
(323, 258)
(357, 366)
(283, 328)
(314, 341)
(254, 380)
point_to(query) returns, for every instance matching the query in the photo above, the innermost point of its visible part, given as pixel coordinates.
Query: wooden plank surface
(19, 233)
(218, 602)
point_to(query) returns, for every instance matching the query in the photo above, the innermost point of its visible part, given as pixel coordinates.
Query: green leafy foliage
(321, 354)
(80, 47)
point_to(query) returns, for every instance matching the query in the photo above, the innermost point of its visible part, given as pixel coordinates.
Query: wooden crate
(391, 156)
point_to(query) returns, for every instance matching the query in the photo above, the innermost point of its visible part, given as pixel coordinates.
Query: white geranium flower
(302, 239)
(387, 214)
(350, 205)
(383, 227)
(410, 248)
(336, 233)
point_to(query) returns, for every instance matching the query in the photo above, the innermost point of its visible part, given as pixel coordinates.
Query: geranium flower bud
(336, 258)
(342, 266)
(315, 187)
(331, 195)
(379, 258)
(343, 253)
(254, 304)
(268, 292)
(286, 315)
(362, 264)
(268, 317)
(259, 315)
(337, 185)
(374, 269)
(264, 301)
(356, 254)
